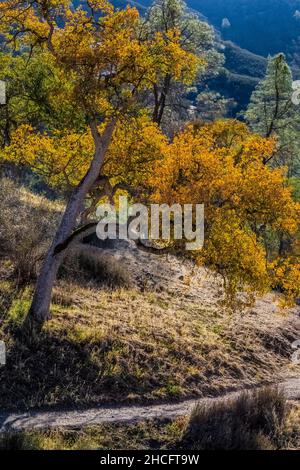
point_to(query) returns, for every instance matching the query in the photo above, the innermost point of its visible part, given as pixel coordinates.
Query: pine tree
(271, 113)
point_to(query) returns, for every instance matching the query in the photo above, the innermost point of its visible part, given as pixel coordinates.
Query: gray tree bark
(40, 306)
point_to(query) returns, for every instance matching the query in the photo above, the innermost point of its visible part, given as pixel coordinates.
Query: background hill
(262, 26)
(254, 30)
(241, 73)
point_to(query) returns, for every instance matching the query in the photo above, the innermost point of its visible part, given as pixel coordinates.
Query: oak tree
(106, 64)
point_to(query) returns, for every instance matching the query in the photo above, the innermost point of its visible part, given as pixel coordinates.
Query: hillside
(261, 26)
(241, 73)
(162, 333)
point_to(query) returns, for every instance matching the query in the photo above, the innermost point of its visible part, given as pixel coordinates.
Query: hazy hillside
(242, 71)
(262, 26)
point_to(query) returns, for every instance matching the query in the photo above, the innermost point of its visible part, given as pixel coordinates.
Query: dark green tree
(272, 113)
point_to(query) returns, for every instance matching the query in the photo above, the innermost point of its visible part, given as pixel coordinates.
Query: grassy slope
(166, 337)
(125, 345)
(145, 435)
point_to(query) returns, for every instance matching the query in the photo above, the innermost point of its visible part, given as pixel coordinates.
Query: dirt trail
(127, 414)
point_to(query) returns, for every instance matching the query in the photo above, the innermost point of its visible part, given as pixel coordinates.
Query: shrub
(253, 420)
(86, 264)
(27, 222)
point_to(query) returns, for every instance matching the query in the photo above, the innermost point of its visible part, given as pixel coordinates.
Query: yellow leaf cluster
(107, 56)
(62, 159)
(222, 165)
(286, 274)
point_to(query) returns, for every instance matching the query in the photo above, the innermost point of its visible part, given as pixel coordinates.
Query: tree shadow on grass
(53, 370)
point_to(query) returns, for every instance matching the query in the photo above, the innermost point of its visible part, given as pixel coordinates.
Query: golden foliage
(106, 57)
(221, 165)
(62, 159)
(104, 61)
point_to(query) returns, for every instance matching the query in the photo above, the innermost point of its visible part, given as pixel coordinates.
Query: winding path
(75, 419)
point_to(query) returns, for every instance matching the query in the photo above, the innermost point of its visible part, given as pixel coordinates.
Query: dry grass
(252, 421)
(290, 439)
(125, 346)
(145, 435)
(263, 421)
(27, 223)
(86, 265)
(166, 338)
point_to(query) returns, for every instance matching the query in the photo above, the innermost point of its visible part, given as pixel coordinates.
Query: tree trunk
(39, 310)
(160, 101)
